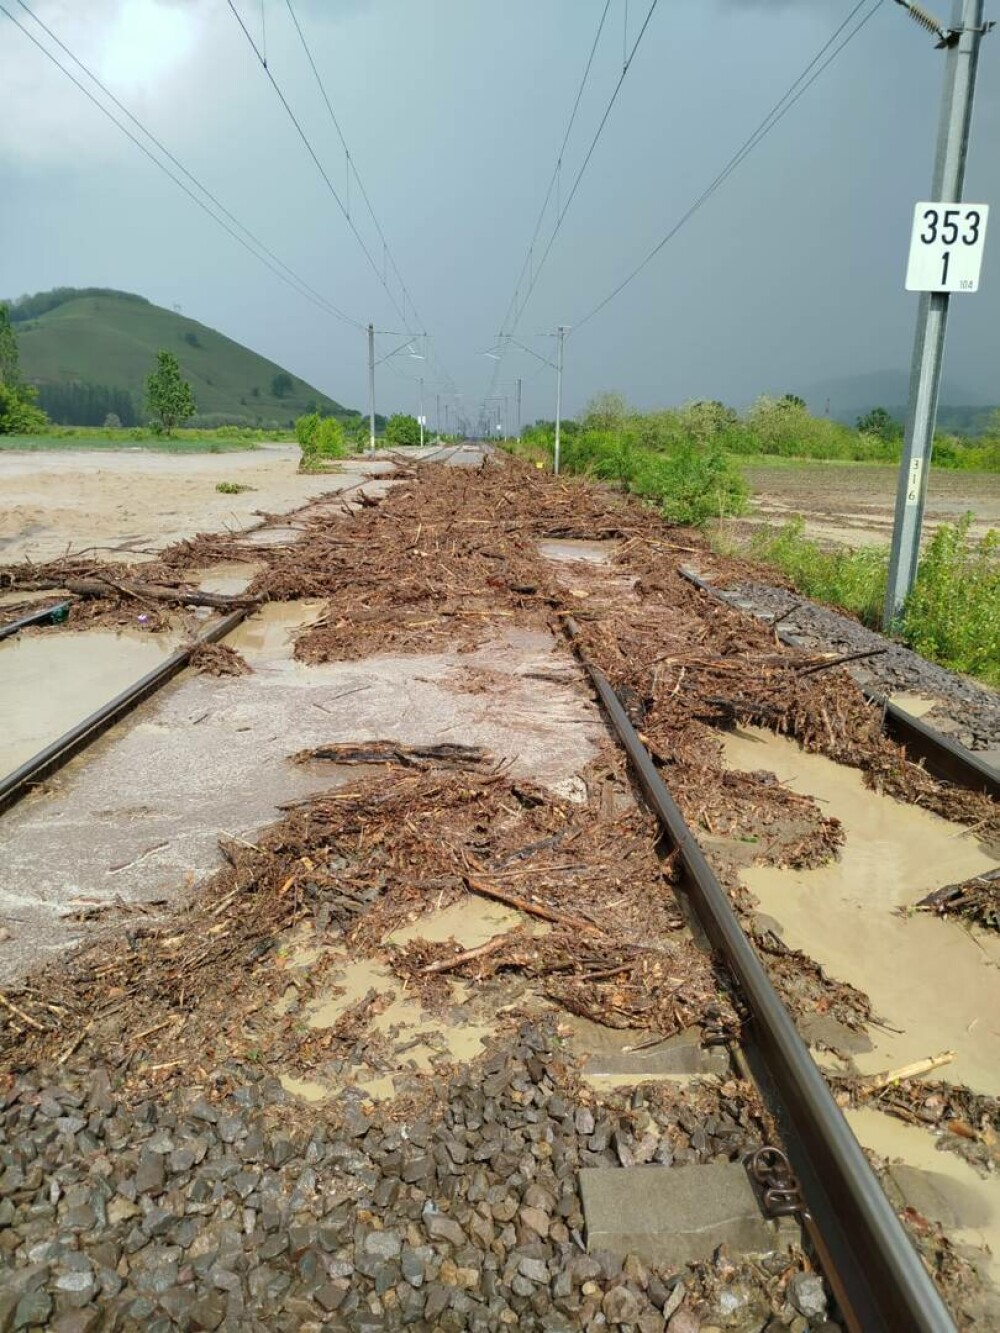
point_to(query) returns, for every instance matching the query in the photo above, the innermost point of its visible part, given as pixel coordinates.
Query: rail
(942, 756)
(877, 1276)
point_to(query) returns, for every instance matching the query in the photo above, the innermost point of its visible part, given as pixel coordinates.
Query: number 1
(944, 270)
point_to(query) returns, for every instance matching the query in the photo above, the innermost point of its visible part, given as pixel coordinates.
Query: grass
(231, 488)
(113, 340)
(952, 615)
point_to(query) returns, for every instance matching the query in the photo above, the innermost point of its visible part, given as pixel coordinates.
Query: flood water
(573, 548)
(49, 681)
(928, 976)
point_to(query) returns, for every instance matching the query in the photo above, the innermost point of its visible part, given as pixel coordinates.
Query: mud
(129, 502)
(854, 504)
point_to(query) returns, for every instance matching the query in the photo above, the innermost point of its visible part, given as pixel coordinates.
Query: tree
(18, 413)
(282, 385)
(169, 396)
(10, 373)
(792, 400)
(402, 429)
(878, 422)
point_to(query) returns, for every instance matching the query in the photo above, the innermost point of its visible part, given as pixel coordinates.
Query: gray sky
(454, 109)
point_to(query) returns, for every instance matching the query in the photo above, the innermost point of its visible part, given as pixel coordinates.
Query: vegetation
(231, 488)
(402, 430)
(320, 439)
(772, 428)
(689, 479)
(168, 395)
(953, 614)
(18, 411)
(102, 339)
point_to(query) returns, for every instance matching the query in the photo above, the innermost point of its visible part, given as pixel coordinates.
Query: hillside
(963, 410)
(89, 352)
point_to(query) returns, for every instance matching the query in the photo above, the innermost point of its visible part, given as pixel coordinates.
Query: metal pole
(559, 373)
(371, 388)
(421, 417)
(519, 411)
(932, 313)
(437, 417)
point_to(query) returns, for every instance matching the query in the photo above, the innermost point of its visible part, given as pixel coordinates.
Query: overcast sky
(791, 275)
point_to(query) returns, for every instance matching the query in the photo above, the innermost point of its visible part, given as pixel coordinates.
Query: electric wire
(351, 163)
(798, 88)
(262, 253)
(516, 308)
(319, 166)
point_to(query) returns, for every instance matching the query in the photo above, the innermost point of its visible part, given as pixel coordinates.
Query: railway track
(825, 1181)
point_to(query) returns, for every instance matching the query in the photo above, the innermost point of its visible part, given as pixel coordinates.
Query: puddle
(48, 683)
(917, 705)
(417, 1037)
(48, 597)
(947, 1190)
(273, 536)
(471, 923)
(933, 978)
(228, 579)
(572, 548)
(269, 634)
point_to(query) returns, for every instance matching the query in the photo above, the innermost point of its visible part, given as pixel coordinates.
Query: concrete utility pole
(962, 43)
(420, 418)
(561, 334)
(437, 417)
(519, 411)
(371, 388)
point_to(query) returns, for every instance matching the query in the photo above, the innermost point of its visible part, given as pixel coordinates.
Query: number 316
(945, 227)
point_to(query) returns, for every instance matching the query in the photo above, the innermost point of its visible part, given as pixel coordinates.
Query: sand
(136, 501)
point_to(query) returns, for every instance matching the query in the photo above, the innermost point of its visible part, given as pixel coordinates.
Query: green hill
(89, 352)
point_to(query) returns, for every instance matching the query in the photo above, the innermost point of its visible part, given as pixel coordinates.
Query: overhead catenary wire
(815, 68)
(516, 308)
(250, 242)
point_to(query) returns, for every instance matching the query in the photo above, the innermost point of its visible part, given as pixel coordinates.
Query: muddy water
(50, 682)
(279, 536)
(930, 977)
(571, 548)
(268, 636)
(951, 1192)
(417, 1038)
(229, 578)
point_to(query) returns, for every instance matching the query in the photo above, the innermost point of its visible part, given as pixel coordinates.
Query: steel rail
(18, 783)
(35, 618)
(942, 757)
(878, 1278)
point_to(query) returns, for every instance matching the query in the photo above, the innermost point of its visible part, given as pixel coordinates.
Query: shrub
(953, 613)
(402, 429)
(18, 413)
(320, 438)
(231, 488)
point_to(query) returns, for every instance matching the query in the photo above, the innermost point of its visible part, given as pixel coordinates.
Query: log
(468, 955)
(152, 592)
(918, 1067)
(530, 908)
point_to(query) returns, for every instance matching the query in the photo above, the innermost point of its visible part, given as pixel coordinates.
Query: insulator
(925, 20)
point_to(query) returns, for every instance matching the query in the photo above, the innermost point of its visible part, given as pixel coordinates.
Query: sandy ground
(854, 503)
(135, 500)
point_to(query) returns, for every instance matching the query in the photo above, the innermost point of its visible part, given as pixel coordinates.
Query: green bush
(320, 438)
(952, 616)
(953, 612)
(401, 429)
(18, 413)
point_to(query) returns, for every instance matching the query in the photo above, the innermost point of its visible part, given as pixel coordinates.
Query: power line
(586, 162)
(319, 167)
(516, 309)
(558, 164)
(350, 161)
(262, 253)
(777, 113)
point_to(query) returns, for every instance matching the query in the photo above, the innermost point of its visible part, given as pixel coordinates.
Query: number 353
(948, 226)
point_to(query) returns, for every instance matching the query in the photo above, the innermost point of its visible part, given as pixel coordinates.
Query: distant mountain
(962, 410)
(89, 352)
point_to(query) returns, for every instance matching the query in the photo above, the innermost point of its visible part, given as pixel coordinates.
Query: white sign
(946, 248)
